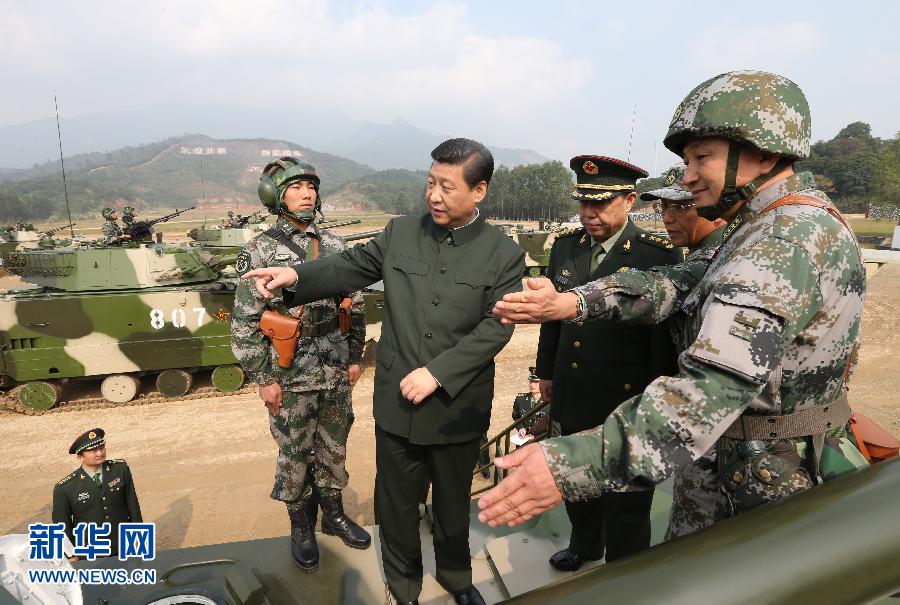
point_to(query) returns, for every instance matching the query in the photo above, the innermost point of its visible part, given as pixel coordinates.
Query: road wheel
(228, 379)
(39, 396)
(119, 388)
(174, 383)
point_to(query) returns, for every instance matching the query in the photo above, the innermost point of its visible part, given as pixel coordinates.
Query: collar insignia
(627, 244)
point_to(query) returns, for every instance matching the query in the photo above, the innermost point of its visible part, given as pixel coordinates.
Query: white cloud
(729, 44)
(373, 64)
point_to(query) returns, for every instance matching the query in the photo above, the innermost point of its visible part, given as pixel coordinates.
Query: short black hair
(477, 161)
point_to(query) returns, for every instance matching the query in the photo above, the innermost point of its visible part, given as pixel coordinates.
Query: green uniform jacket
(439, 288)
(595, 366)
(77, 499)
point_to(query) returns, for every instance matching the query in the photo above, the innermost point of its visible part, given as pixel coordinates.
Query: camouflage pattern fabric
(772, 325)
(317, 412)
(763, 109)
(320, 361)
(111, 232)
(311, 432)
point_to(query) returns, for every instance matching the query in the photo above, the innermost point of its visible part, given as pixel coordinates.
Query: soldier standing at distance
(99, 491)
(774, 325)
(112, 233)
(310, 404)
(587, 369)
(128, 215)
(538, 425)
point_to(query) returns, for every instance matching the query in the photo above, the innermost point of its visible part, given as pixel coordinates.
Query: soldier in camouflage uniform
(310, 403)
(772, 327)
(112, 233)
(128, 215)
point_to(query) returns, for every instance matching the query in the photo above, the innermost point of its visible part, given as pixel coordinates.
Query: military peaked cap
(90, 440)
(672, 189)
(533, 375)
(599, 178)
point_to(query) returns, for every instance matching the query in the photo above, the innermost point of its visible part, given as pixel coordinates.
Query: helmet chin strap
(731, 194)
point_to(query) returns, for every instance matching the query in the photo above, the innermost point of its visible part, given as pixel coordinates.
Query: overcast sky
(561, 77)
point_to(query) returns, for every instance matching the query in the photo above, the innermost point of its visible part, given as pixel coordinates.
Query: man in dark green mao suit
(588, 369)
(99, 491)
(434, 378)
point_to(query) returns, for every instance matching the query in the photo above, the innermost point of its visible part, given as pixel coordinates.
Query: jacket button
(577, 344)
(765, 475)
(626, 386)
(427, 334)
(442, 270)
(574, 365)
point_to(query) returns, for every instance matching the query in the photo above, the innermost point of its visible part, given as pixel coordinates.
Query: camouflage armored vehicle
(115, 314)
(535, 243)
(123, 315)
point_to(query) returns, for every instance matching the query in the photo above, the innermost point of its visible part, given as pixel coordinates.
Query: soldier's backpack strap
(805, 200)
(282, 238)
(796, 199)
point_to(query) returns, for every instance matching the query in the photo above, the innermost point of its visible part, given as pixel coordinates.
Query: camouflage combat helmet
(127, 210)
(276, 177)
(755, 108)
(107, 213)
(672, 189)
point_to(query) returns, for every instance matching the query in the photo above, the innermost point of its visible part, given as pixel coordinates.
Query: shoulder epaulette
(568, 232)
(656, 240)
(67, 477)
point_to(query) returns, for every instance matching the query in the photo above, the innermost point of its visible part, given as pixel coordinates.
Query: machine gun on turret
(50, 232)
(141, 230)
(246, 220)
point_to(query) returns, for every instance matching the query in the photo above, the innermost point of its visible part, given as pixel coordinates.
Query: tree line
(855, 168)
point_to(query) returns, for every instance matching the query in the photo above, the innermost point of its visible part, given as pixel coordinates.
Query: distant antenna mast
(202, 190)
(65, 187)
(631, 136)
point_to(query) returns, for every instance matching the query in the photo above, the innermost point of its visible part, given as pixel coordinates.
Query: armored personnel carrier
(116, 314)
(535, 243)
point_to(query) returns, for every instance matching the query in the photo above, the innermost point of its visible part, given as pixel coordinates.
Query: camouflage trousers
(311, 432)
(738, 476)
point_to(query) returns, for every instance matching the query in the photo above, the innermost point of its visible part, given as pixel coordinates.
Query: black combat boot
(336, 523)
(303, 536)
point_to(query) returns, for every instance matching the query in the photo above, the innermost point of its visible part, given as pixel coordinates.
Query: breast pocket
(411, 266)
(475, 278)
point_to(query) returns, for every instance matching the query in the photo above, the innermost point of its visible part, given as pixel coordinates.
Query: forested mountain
(175, 172)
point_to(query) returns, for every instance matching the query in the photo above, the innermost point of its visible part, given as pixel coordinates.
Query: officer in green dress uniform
(99, 491)
(588, 369)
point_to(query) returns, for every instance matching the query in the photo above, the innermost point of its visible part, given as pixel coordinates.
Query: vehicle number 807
(178, 318)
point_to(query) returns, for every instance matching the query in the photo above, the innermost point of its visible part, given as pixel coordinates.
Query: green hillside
(176, 172)
(395, 191)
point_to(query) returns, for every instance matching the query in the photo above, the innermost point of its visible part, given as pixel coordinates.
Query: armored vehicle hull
(116, 314)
